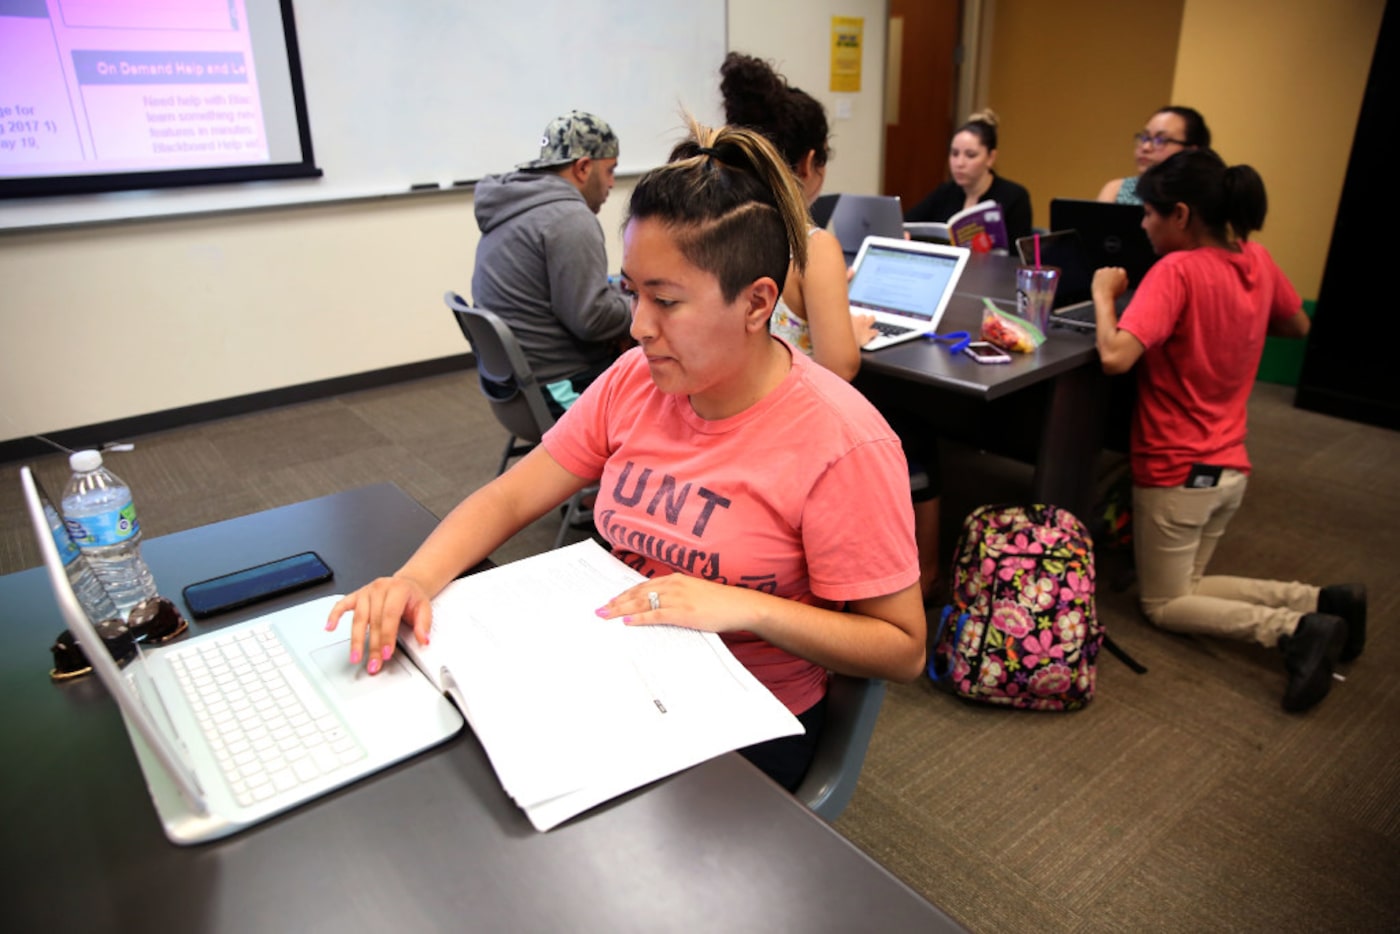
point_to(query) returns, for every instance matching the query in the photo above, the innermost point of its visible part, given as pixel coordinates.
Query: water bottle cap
(85, 460)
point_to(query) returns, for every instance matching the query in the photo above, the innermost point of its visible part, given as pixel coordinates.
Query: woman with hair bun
(971, 156)
(761, 495)
(1170, 131)
(813, 313)
(1195, 330)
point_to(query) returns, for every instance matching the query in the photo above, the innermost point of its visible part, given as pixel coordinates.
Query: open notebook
(574, 710)
(240, 724)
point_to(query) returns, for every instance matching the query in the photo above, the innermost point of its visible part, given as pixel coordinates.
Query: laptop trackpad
(352, 680)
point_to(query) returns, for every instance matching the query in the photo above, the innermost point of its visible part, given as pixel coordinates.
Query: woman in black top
(970, 160)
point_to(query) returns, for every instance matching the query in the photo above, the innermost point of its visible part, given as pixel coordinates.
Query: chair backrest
(505, 377)
(852, 707)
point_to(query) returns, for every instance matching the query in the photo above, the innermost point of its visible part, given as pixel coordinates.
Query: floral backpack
(1021, 630)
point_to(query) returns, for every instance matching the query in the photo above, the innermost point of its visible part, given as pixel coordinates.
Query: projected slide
(103, 86)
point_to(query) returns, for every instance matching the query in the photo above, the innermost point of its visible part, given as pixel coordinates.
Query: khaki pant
(1175, 531)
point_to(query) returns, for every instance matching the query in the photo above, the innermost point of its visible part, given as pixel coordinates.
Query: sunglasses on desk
(153, 621)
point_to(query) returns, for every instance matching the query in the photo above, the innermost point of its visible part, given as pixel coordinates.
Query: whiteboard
(442, 92)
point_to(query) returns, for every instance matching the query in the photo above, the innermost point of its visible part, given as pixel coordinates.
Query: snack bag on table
(1008, 331)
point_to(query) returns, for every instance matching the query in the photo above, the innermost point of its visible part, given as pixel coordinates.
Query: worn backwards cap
(576, 135)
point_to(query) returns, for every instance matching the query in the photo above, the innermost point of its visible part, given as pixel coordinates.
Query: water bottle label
(61, 539)
(66, 549)
(108, 528)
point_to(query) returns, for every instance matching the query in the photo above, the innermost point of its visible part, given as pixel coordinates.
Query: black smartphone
(250, 585)
(1203, 477)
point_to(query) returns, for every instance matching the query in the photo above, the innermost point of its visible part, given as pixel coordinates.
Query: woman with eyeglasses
(1170, 131)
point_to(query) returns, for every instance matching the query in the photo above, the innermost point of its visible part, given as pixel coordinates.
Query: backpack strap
(1123, 656)
(933, 671)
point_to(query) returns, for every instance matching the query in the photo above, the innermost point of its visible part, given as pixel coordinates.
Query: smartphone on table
(984, 352)
(240, 588)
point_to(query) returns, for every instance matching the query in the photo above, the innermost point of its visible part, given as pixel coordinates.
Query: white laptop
(856, 217)
(905, 284)
(255, 718)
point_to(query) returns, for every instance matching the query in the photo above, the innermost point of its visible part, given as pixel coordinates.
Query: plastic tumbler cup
(1035, 293)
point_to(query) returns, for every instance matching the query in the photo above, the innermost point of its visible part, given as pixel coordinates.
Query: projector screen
(112, 95)
(401, 95)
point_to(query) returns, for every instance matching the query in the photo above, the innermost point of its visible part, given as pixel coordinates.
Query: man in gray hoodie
(541, 263)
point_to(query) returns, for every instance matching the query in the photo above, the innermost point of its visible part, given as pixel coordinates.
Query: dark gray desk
(431, 845)
(992, 276)
(1047, 407)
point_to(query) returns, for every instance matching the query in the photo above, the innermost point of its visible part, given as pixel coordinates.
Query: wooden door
(919, 104)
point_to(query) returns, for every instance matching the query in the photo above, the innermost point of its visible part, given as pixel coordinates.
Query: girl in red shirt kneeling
(1195, 329)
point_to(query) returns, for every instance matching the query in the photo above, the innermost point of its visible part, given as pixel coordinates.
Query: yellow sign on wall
(846, 37)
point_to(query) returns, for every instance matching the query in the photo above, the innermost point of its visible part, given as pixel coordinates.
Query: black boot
(1349, 602)
(1308, 655)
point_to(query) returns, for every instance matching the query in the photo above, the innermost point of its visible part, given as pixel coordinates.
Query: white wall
(111, 321)
(796, 36)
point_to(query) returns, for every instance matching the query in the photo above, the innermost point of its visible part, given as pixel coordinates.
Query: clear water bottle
(101, 518)
(88, 589)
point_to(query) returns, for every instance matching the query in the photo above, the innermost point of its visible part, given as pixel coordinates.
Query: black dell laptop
(1110, 234)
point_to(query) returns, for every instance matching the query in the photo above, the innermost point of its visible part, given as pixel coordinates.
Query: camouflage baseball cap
(576, 135)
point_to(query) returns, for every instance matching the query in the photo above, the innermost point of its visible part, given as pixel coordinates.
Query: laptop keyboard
(890, 330)
(267, 726)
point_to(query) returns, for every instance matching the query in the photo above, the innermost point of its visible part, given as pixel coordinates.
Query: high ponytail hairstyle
(1224, 198)
(732, 205)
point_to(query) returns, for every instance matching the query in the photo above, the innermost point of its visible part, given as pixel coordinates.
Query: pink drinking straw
(1037, 251)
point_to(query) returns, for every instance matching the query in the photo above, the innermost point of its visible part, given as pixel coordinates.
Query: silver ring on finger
(654, 599)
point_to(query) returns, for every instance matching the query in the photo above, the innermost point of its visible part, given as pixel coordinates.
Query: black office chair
(516, 396)
(852, 707)
(821, 209)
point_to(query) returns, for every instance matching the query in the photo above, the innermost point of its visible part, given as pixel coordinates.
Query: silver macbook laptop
(905, 284)
(856, 217)
(255, 718)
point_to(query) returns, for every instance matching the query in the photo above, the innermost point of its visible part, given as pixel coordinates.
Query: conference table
(1047, 407)
(429, 845)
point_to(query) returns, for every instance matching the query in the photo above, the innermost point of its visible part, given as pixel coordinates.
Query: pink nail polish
(627, 619)
(601, 611)
(374, 666)
(354, 656)
(387, 651)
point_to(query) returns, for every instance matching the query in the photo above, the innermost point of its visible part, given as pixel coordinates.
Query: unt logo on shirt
(685, 506)
(668, 496)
